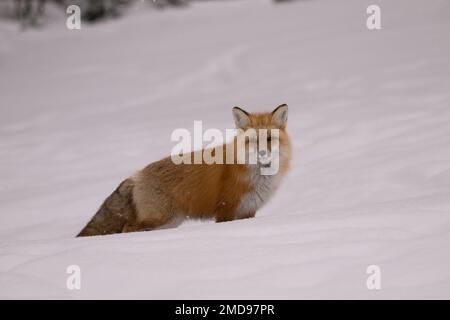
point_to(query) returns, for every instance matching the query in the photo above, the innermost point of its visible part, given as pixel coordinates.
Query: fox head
(264, 137)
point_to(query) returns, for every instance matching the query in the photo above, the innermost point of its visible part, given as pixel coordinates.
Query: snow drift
(369, 121)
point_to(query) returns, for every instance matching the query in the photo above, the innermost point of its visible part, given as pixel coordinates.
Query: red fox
(164, 194)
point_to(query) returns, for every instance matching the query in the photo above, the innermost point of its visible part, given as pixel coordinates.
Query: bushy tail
(115, 212)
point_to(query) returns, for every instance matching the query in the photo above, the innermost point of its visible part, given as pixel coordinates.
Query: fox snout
(265, 158)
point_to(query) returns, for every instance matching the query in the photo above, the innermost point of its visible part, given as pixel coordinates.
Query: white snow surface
(369, 121)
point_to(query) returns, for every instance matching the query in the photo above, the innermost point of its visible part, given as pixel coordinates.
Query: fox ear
(241, 118)
(280, 115)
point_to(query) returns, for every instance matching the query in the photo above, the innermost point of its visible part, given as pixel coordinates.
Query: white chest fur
(263, 187)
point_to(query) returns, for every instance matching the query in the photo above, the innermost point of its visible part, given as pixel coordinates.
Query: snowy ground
(369, 120)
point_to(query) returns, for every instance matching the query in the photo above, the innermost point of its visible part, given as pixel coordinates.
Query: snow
(369, 121)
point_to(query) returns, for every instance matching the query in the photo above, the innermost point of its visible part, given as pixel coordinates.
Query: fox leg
(225, 212)
(225, 216)
(130, 228)
(145, 225)
(247, 216)
(138, 227)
